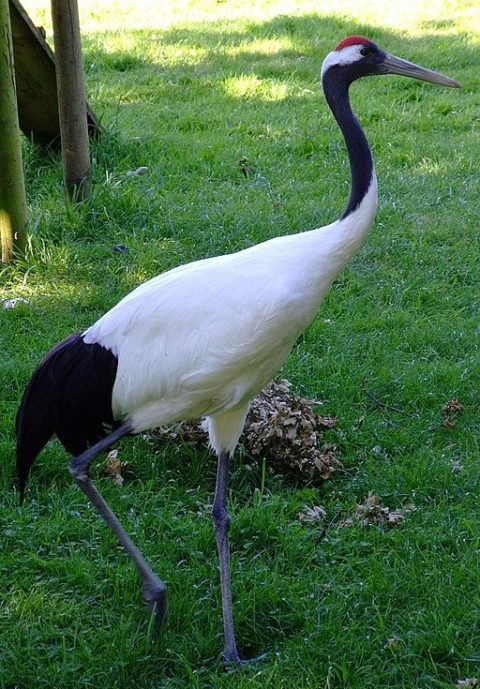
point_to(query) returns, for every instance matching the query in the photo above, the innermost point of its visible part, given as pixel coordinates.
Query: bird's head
(357, 57)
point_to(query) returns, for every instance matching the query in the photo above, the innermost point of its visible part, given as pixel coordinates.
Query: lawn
(198, 92)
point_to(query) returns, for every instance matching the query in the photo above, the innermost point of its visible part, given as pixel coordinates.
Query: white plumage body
(204, 338)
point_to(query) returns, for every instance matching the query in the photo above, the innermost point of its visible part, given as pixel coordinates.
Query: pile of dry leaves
(282, 427)
(450, 412)
(373, 512)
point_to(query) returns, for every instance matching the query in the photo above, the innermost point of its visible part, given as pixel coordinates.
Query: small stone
(12, 303)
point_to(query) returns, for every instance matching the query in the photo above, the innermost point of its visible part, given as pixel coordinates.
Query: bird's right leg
(221, 520)
(154, 589)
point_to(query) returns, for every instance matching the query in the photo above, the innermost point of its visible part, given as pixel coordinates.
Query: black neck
(335, 88)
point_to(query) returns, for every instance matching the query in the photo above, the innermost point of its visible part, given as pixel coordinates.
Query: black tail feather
(70, 395)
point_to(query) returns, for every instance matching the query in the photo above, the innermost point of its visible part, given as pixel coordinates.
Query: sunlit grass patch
(253, 87)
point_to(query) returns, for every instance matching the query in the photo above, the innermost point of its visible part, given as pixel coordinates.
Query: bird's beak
(395, 65)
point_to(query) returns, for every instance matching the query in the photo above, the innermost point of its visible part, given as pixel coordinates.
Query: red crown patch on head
(353, 40)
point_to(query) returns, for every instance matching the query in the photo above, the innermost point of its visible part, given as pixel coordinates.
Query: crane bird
(203, 339)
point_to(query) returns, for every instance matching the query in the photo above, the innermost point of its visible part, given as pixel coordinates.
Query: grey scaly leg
(221, 520)
(154, 590)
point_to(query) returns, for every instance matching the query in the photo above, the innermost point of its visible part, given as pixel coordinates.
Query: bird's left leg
(154, 590)
(221, 520)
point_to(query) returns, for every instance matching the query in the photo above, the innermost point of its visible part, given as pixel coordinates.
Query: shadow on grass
(221, 54)
(168, 103)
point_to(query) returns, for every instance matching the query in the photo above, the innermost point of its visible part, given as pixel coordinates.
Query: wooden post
(13, 204)
(72, 104)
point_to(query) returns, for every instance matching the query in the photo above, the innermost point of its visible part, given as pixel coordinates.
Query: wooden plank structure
(36, 81)
(13, 204)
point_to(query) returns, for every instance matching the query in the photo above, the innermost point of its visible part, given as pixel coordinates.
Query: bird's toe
(155, 595)
(233, 661)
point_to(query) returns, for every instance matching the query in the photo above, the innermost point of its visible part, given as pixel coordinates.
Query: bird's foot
(155, 595)
(233, 661)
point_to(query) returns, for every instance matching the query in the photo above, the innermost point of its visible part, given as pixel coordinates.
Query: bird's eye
(365, 50)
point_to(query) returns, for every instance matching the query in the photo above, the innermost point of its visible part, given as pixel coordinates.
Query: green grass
(189, 91)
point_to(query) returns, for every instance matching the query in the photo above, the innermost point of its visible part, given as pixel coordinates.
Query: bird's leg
(221, 520)
(154, 590)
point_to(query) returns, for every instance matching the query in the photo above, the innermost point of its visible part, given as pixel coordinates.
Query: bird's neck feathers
(335, 87)
(353, 227)
(336, 244)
